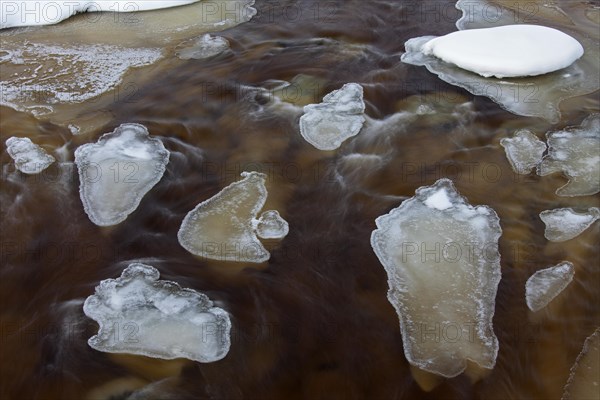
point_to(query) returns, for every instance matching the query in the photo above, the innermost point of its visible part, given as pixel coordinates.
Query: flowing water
(313, 322)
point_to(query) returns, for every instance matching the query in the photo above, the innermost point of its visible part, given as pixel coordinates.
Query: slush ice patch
(565, 223)
(544, 285)
(524, 151)
(29, 158)
(206, 46)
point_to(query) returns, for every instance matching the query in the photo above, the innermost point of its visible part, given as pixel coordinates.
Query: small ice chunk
(139, 314)
(117, 171)
(524, 151)
(584, 381)
(339, 117)
(507, 51)
(48, 12)
(544, 285)
(576, 153)
(270, 225)
(205, 46)
(443, 265)
(29, 157)
(225, 227)
(564, 224)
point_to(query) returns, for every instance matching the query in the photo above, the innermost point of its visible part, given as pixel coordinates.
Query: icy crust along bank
(340, 116)
(140, 314)
(507, 51)
(29, 158)
(49, 12)
(564, 224)
(524, 151)
(576, 153)
(544, 285)
(443, 265)
(225, 227)
(116, 172)
(584, 381)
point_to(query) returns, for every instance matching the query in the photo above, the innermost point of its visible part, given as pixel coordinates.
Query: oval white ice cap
(507, 51)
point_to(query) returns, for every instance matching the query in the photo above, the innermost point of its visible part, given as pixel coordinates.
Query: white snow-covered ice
(140, 314)
(576, 153)
(29, 158)
(565, 223)
(225, 227)
(49, 12)
(206, 46)
(443, 265)
(524, 151)
(507, 51)
(340, 116)
(116, 172)
(544, 285)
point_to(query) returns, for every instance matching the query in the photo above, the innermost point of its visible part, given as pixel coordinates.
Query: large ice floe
(443, 265)
(524, 151)
(564, 60)
(225, 227)
(340, 116)
(544, 285)
(565, 223)
(576, 153)
(140, 314)
(116, 172)
(206, 46)
(584, 381)
(29, 158)
(49, 12)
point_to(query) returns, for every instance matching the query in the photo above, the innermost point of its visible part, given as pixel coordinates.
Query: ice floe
(29, 158)
(49, 12)
(443, 265)
(116, 172)
(206, 46)
(225, 227)
(507, 51)
(565, 223)
(584, 381)
(544, 285)
(340, 116)
(524, 151)
(576, 153)
(140, 314)
(536, 96)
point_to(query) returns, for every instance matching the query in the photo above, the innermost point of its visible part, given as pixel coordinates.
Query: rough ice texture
(565, 223)
(443, 265)
(116, 172)
(205, 46)
(339, 117)
(584, 381)
(225, 227)
(507, 51)
(49, 12)
(140, 314)
(537, 96)
(29, 157)
(38, 86)
(524, 151)
(544, 285)
(576, 153)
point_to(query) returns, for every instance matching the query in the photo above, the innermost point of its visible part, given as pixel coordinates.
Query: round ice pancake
(507, 51)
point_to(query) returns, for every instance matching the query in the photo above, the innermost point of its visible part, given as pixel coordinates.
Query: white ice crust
(116, 172)
(225, 227)
(29, 158)
(544, 285)
(140, 314)
(565, 223)
(524, 151)
(49, 12)
(443, 265)
(206, 46)
(576, 153)
(340, 116)
(507, 51)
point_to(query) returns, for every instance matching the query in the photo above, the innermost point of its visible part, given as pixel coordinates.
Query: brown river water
(313, 322)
